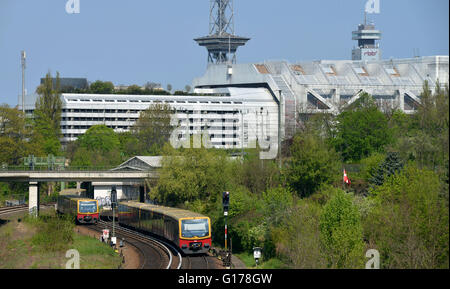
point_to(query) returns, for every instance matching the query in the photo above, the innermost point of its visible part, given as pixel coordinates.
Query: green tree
(153, 129)
(312, 163)
(129, 144)
(100, 87)
(391, 165)
(370, 165)
(432, 120)
(341, 233)
(47, 116)
(361, 130)
(135, 90)
(423, 136)
(98, 147)
(13, 136)
(257, 175)
(99, 137)
(276, 204)
(191, 175)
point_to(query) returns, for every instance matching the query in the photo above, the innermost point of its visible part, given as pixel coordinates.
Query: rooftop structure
(367, 49)
(73, 83)
(327, 86)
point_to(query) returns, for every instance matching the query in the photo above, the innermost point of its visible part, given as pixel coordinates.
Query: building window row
(154, 101)
(100, 119)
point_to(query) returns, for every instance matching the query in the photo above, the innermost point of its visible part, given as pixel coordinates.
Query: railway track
(196, 262)
(155, 253)
(18, 209)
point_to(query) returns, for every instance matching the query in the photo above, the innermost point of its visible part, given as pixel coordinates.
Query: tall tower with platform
(367, 36)
(367, 49)
(221, 43)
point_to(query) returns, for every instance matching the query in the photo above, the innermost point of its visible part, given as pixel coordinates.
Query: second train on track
(189, 231)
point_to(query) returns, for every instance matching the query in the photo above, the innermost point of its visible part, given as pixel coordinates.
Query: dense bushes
(410, 224)
(53, 234)
(341, 233)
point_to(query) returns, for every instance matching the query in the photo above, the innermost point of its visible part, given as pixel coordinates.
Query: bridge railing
(53, 169)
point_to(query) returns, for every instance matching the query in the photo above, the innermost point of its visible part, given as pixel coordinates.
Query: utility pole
(24, 58)
(279, 128)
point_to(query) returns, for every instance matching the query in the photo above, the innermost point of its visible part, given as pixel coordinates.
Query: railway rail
(178, 261)
(196, 262)
(18, 209)
(155, 253)
(151, 249)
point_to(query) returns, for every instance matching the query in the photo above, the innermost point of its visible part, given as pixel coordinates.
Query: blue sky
(132, 42)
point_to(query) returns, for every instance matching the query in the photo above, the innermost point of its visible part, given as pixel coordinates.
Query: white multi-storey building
(229, 117)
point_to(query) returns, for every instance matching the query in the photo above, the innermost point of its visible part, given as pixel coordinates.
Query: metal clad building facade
(327, 86)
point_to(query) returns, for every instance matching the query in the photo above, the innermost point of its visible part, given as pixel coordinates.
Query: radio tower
(221, 42)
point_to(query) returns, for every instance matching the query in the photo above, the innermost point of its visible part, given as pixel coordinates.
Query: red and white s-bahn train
(84, 211)
(189, 231)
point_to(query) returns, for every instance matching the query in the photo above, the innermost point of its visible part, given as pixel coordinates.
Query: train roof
(77, 198)
(72, 192)
(167, 211)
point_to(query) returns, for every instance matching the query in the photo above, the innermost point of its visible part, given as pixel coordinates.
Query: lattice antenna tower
(221, 17)
(221, 42)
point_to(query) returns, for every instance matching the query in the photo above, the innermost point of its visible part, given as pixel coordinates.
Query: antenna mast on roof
(24, 65)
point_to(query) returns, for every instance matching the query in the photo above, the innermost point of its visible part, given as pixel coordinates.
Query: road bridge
(33, 178)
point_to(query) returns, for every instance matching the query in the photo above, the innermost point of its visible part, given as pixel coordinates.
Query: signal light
(226, 202)
(113, 197)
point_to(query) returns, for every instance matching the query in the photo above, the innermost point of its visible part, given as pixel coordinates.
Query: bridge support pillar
(141, 194)
(33, 200)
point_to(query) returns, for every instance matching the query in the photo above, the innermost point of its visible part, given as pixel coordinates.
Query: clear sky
(132, 42)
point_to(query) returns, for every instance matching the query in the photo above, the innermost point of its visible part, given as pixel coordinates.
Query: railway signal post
(113, 205)
(226, 204)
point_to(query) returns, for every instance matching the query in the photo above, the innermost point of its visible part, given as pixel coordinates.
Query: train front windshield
(195, 228)
(88, 207)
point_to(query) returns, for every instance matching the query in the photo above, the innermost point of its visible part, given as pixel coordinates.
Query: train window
(194, 228)
(87, 207)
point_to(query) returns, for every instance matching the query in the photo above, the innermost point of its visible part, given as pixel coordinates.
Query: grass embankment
(42, 243)
(249, 262)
